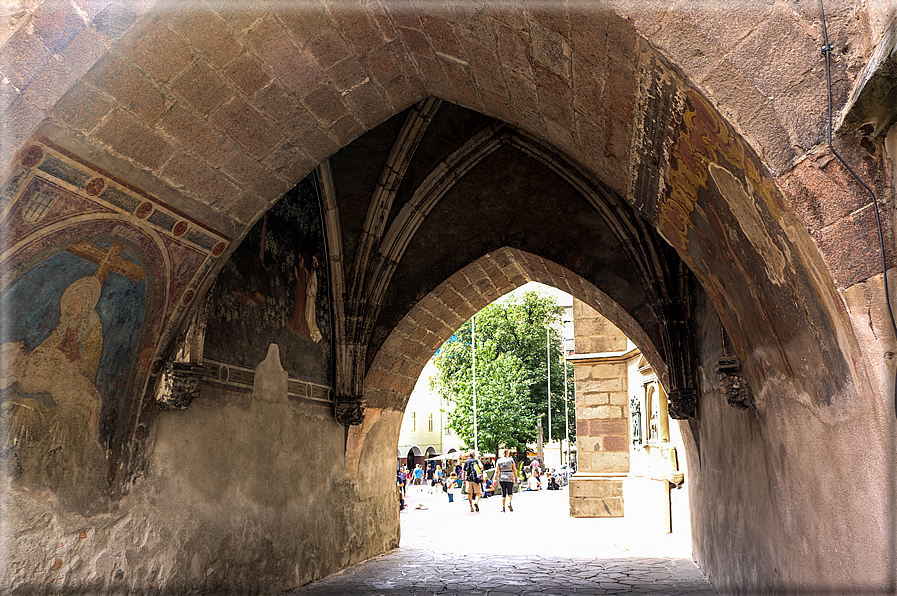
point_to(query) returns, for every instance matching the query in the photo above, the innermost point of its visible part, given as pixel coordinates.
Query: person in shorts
(473, 476)
(506, 476)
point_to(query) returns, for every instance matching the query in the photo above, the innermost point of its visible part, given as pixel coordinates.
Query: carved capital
(348, 410)
(683, 404)
(179, 385)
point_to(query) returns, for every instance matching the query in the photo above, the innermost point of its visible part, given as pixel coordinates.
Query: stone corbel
(179, 380)
(348, 403)
(179, 385)
(348, 410)
(683, 404)
(732, 381)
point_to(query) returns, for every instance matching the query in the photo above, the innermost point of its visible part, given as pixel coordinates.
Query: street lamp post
(548, 363)
(473, 352)
(566, 412)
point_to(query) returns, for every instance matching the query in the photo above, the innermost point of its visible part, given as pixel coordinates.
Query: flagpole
(566, 411)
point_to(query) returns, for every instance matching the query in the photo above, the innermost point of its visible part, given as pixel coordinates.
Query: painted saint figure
(53, 414)
(311, 294)
(298, 323)
(79, 334)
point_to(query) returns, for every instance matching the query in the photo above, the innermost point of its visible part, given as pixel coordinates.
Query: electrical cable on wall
(827, 50)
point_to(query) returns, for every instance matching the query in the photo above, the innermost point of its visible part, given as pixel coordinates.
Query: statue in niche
(635, 414)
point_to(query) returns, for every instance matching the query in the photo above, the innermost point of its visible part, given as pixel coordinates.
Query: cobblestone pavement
(536, 549)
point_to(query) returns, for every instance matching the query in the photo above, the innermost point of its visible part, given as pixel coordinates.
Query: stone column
(602, 415)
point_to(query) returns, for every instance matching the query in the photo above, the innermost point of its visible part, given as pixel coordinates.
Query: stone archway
(202, 118)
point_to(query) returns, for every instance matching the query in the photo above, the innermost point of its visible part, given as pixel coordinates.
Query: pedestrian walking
(429, 476)
(437, 479)
(506, 477)
(473, 475)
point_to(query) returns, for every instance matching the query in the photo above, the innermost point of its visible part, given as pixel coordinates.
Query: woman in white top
(506, 476)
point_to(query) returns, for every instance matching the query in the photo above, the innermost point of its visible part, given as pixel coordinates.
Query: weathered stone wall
(793, 495)
(789, 513)
(245, 492)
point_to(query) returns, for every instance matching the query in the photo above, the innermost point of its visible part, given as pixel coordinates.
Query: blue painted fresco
(34, 311)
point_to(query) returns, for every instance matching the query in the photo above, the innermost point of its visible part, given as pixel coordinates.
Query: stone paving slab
(494, 575)
(536, 550)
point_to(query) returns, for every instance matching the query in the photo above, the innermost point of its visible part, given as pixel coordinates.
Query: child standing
(452, 487)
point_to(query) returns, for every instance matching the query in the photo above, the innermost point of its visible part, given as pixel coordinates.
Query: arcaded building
(233, 234)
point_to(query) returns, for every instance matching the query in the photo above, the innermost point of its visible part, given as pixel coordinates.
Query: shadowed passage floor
(536, 549)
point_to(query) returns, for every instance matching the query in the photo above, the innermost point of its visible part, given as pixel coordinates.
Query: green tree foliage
(511, 374)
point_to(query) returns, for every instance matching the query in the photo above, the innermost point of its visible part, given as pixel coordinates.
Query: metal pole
(473, 351)
(548, 362)
(566, 413)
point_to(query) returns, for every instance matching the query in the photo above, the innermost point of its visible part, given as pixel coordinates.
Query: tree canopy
(511, 374)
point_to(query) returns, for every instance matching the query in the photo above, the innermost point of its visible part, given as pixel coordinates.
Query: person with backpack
(473, 475)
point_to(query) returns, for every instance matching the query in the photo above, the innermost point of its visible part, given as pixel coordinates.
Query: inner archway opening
(630, 491)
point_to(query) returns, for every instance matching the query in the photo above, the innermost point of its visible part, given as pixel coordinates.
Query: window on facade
(413, 421)
(430, 424)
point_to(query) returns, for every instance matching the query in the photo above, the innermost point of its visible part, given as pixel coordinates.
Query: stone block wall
(602, 416)
(596, 495)
(593, 332)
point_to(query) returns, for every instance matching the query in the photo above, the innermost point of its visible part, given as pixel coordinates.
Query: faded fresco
(274, 289)
(722, 212)
(69, 353)
(94, 271)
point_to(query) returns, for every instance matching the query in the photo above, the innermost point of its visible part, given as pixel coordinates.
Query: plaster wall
(787, 497)
(245, 490)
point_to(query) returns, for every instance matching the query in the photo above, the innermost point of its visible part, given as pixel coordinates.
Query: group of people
(477, 482)
(431, 477)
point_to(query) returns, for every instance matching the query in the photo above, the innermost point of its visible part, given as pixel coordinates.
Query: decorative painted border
(42, 158)
(44, 161)
(240, 379)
